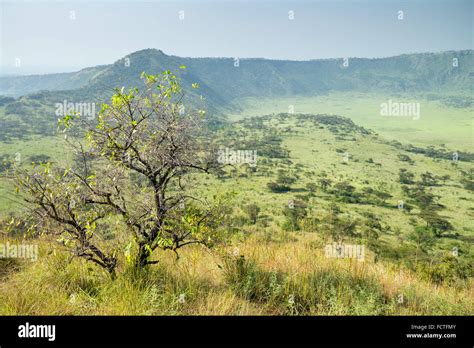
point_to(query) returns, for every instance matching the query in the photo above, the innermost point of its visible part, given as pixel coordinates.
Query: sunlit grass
(249, 278)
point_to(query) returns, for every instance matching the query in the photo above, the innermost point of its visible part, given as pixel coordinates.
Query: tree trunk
(112, 273)
(142, 257)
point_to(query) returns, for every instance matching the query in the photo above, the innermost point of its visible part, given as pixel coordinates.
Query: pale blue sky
(44, 37)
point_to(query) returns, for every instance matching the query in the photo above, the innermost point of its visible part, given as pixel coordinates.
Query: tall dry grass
(259, 276)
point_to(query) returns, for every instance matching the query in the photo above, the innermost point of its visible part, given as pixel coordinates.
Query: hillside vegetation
(272, 259)
(308, 167)
(224, 83)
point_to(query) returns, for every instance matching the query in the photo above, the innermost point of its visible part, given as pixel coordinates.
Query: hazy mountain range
(223, 80)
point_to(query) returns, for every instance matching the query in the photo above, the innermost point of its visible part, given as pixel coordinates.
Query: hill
(226, 79)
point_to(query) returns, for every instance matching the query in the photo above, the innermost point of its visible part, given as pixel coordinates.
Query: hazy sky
(45, 36)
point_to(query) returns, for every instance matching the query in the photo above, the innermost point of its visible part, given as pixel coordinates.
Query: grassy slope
(322, 285)
(315, 150)
(438, 123)
(293, 267)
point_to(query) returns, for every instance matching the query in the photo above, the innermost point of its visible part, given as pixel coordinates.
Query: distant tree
(467, 180)
(285, 179)
(325, 183)
(436, 223)
(345, 192)
(428, 179)
(294, 213)
(278, 188)
(423, 238)
(445, 178)
(383, 196)
(424, 200)
(5, 163)
(406, 177)
(252, 211)
(39, 158)
(249, 169)
(311, 187)
(372, 228)
(342, 226)
(405, 158)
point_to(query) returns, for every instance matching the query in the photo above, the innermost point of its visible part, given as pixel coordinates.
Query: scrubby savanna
(171, 205)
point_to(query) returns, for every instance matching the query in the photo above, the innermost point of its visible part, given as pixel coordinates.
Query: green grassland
(330, 168)
(275, 261)
(314, 151)
(439, 123)
(24, 151)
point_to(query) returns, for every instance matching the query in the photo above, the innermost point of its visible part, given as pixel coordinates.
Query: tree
(294, 212)
(252, 211)
(405, 158)
(382, 195)
(278, 188)
(142, 133)
(372, 228)
(337, 225)
(428, 179)
(311, 187)
(406, 177)
(436, 223)
(5, 163)
(345, 192)
(467, 180)
(422, 199)
(325, 183)
(284, 179)
(423, 238)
